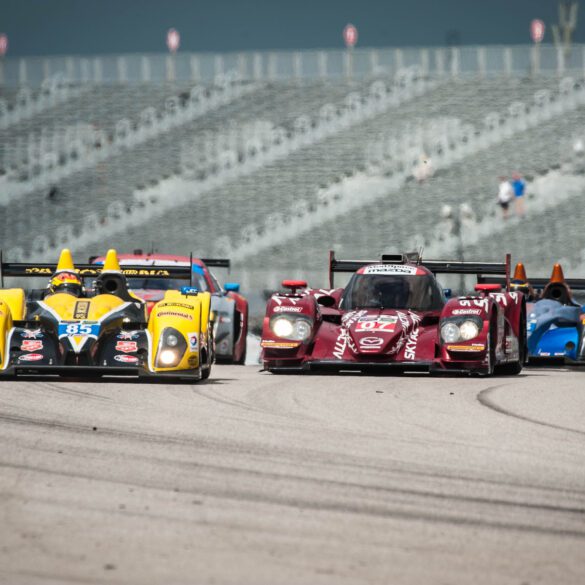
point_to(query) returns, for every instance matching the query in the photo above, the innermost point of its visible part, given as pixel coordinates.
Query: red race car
(394, 315)
(230, 307)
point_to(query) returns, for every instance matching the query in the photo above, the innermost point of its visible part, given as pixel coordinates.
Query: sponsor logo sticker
(127, 346)
(126, 359)
(31, 357)
(192, 341)
(389, 269)
(174, 314)
(466, 312)
(193, 361)
(81, 310)
(473, 347)
(279, 344)
(286, 309)
(31, 334)
(31, 345)
(176, 305)
(127, 335)
(371, 341)
(412, 339)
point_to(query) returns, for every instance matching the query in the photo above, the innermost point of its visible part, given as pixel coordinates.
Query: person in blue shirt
(519, 187)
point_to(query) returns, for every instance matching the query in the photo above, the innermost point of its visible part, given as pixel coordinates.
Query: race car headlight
(468, 330)
(168, 357)
(302, 329)
(450, 332)
(282, 327)
(460, 329)
(297, 329)
(171, 348)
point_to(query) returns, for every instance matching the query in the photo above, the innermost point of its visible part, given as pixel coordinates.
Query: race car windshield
(166, 283)
(392, 291)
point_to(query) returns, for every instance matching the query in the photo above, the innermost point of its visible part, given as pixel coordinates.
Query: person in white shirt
(505, 196)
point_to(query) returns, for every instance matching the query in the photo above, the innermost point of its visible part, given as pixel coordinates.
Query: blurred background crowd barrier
(279, 65)
(273, 159)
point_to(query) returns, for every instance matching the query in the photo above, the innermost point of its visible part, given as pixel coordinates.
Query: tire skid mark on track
(219, 398)
(58, 578)
(485, 399)
(321, 481)
(378, 511)
(276, 455)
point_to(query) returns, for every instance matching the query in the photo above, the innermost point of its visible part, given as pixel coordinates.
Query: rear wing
(481, 269)
(538, 283)
(213, 262)
(37, 269)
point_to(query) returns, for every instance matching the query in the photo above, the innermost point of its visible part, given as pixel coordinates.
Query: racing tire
(242, 360)
(491, 352)
(514, 368)
(205, 373)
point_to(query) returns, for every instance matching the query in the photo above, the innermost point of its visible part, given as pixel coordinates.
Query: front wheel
(491, 350)
(242, 360)
(514, 368)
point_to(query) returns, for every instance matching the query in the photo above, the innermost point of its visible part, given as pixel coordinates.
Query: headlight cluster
(295, 328)
(460, 329)
(171, 348)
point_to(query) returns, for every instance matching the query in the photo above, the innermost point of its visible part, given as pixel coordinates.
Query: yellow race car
(88, 323)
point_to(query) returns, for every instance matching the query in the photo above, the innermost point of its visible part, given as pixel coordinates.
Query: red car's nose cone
(377, 331)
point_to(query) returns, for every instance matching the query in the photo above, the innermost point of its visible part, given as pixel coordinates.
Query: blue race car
(555, 320)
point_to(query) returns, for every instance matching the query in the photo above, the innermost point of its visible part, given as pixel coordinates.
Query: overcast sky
(55, 27)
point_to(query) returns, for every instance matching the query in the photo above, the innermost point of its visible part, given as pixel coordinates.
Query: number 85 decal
(78, 329)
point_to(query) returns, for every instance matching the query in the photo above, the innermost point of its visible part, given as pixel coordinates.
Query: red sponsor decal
(388, 324)
(31, 357)
(126, 359)
(31, 345)
(127, 346)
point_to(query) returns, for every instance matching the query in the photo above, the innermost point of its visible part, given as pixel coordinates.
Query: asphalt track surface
(259, 479)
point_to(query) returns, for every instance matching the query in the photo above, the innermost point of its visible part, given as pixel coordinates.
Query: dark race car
(393, 315)
(229, 306)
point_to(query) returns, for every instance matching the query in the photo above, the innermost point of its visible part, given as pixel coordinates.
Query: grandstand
(215, 167)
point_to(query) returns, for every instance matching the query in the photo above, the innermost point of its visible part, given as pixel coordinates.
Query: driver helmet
(66, 281)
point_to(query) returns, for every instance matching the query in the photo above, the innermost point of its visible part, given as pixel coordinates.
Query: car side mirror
(448, 293)
(232, 287)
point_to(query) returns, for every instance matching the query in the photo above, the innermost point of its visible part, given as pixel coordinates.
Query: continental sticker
(175, 314)
(176, 305)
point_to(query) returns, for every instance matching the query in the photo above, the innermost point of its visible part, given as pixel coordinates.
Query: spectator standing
(519, 187)
(505, 196)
